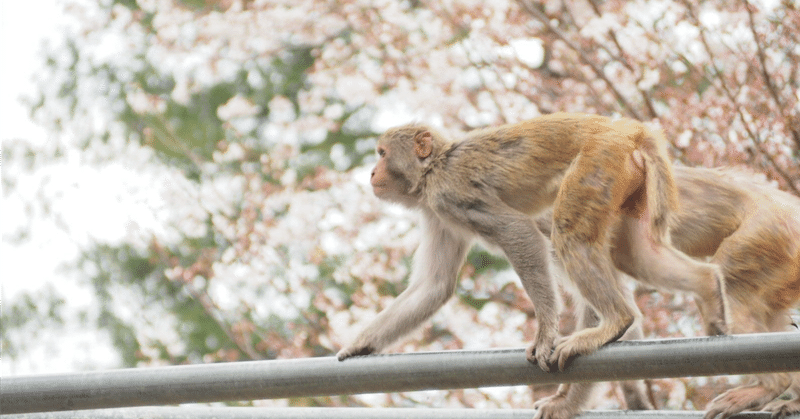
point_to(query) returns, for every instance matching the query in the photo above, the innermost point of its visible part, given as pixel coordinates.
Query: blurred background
(187, 181)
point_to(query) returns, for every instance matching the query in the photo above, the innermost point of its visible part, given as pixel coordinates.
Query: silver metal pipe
(195, 412)
(721, 355)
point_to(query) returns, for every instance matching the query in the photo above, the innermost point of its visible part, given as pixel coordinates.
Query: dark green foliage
(483, 261)
(125, 275)
(30, 314)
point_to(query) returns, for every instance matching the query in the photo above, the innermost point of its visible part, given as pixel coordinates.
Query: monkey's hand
(356, 349)
(539, 352)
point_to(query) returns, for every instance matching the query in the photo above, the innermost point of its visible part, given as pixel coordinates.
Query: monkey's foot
(354, 350)
(739, 399)
(539, 353)
(556, 407)
(783, 408)
(583, 342)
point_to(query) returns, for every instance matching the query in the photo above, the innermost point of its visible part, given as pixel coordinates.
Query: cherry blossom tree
(260, 117)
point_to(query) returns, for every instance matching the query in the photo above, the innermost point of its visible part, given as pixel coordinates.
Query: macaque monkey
(590, 169)
(752, 231)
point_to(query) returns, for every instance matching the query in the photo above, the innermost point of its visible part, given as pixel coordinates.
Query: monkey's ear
(423, 144)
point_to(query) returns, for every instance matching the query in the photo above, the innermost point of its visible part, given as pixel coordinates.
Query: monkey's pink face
(388, 182)
(389, 178)
(380, 179)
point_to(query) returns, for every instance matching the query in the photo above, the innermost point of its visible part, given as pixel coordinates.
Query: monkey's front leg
(416, 304)
(529, 254)
(433, 280)
(390, 324)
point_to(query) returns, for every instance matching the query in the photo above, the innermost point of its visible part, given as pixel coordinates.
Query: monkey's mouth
(377, 184)
(378, 189)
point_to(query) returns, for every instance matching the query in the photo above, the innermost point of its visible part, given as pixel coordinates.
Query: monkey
(751, 230)
(490, 184)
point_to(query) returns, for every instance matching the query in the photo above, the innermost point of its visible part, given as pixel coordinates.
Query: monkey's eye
(381, 152)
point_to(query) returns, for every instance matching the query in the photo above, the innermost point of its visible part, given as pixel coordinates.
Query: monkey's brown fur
(590, 169)
(752, 231)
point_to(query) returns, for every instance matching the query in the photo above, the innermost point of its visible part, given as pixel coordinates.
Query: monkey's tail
(662, 194)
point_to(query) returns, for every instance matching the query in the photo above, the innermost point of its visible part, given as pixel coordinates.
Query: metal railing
(721, 355)
(196, 412)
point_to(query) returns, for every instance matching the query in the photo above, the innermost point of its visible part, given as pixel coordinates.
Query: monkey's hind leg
(571, 399)
(582, 216)
(590, 269)
(664, 267)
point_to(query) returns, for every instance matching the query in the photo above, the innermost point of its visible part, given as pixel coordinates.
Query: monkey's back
(753, 226)
(524, 163)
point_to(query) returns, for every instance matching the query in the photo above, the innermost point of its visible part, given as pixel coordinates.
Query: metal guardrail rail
(194, 412)
(664, 358)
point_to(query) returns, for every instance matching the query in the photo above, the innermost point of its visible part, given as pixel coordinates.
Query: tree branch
(541, 17)
(762, 60)
(719, 77)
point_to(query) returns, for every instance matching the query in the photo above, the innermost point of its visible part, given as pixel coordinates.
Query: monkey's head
(404, 155)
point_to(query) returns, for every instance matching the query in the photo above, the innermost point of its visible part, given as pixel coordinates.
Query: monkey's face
(380, 179)
(388, 179)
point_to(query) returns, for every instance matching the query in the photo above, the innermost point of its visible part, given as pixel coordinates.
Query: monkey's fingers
(547, 400)
(571, 346)
(354, 350)
(539, 354)
(737, 400)
(562, 356)
(719, 411)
